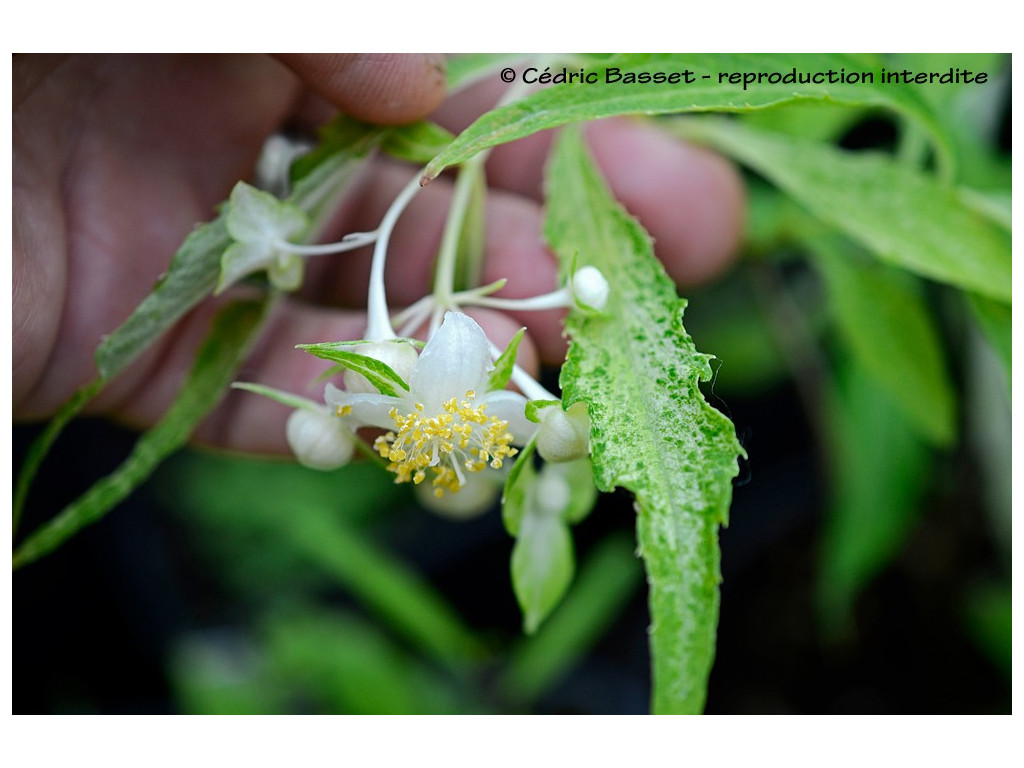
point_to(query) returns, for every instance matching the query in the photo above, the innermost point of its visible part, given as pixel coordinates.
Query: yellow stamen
(445, 443)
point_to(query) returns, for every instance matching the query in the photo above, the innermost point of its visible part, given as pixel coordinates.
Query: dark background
(94, 621)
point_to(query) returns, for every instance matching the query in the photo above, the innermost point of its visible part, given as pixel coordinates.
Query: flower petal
(368, 409)
(241, 259)
(454, 361)
(259, 217)
(511, 407)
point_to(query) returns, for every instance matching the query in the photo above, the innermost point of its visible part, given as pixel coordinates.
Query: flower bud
(319, 439)
(552, 493)
(400, 356)
(563, 435)
(589, 288)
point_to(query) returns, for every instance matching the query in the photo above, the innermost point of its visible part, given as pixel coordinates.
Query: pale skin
(117, 158)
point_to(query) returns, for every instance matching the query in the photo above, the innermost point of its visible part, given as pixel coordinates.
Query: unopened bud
(319, 439)
(589, 288)
(563, 435)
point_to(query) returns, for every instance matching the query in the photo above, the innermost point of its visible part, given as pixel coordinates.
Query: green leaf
(988, 614)
(416, 142)
(607, 579)
(41, 445)
(538, 511)
(996, 322)
(467, 68)
(542, 567)
(190, 278)
(226, 345)
(888, 326)
(280, 396)
(533, 408)
(574, 102)
(350, 666)
(652, 432)
(343, 136)
(879, 471)
(514, 496)
(378, 373)
(579, 475)
(904, 217)
(302, 511)
(505, 363)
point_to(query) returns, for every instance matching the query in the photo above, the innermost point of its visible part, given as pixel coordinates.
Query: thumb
(387, 88)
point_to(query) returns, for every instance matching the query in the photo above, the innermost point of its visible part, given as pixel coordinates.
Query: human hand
(116, 159)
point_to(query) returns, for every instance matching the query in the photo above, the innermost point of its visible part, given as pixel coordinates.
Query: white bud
(400, 356)
(552, 492)
(589, 288)
(319, 439)
(563, 435)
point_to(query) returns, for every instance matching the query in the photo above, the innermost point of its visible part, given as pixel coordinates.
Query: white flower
(261, 226)
(447, 423)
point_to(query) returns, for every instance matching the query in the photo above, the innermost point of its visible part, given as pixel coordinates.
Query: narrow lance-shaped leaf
(711, 88)
(607, 579)
(905, 217)
(468, 68)
(308, 518)
(506, 362)
(879, 471)
(996, 321)
(215, 365)
(190, 278)
(652, 431)
(377, 372)
(416, 142)
(890, 330)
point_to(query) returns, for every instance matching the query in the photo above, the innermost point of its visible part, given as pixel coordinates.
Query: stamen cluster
(461, 437)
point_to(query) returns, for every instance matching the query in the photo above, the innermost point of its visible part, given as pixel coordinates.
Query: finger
(387, 88)
(690, 200)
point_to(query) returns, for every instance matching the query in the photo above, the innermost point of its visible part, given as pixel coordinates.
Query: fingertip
(691, 200)
(383, 88)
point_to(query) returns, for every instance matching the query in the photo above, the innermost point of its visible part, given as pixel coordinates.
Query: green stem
(41, 445)
(444, 278)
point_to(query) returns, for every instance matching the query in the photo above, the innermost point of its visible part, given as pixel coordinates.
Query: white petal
(511, 407)
(285, 272)
(241, 259)
(454, 361)
(476, 496)
(368, 409)
(258, 216)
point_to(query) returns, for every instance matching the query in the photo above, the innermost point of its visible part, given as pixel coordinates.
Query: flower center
(461, 437)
